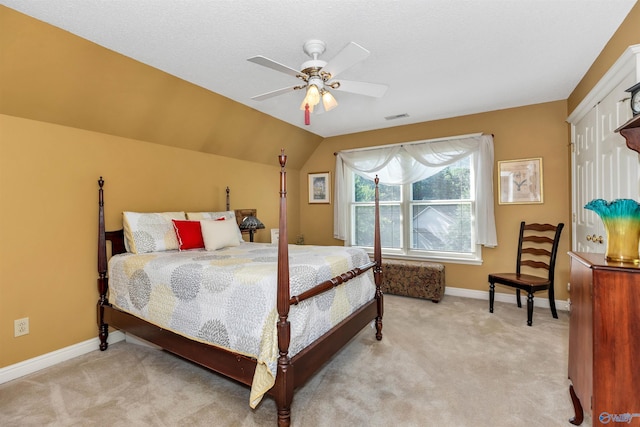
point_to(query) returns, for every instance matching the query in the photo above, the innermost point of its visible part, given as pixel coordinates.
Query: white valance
(396, 165)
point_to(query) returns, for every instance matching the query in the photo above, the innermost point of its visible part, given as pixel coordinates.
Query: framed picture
(319, 187)
(520, 181)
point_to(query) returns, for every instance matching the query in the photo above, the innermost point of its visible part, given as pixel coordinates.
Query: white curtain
(411, 162)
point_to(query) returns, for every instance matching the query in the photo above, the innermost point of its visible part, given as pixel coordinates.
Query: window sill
(447, 260)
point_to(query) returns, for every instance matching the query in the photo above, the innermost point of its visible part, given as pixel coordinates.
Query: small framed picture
(520, 181)
(275, 236)
(319, 187)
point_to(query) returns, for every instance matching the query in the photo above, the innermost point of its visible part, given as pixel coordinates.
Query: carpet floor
(451, 364)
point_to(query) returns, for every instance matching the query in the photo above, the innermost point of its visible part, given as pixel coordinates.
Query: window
(431, 217)
(436, 198)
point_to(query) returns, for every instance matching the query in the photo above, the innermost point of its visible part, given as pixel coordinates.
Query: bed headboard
(115, 237)
(117, 241)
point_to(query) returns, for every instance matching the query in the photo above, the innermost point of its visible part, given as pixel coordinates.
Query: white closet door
(604, 167)
(619, 164)
(585, 171)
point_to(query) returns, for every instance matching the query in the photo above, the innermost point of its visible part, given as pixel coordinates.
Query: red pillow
(189, 234)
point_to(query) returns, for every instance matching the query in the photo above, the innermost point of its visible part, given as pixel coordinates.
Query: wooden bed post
(377, 257)
(103, 281)
(284, 377)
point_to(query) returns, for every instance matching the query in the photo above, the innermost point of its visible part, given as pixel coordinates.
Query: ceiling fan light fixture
(312, 98)
(313, 95)
(317, 76)
(305, 105)
(328, 101)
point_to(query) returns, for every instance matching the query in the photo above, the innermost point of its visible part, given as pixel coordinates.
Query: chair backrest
(538, 246)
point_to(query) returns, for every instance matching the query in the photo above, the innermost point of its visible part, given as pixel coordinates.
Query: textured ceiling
(440, 58)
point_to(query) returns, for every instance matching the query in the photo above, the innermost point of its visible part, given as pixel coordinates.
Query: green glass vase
(621, 220)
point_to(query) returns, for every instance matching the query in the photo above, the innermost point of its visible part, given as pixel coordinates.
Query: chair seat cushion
(522, 281)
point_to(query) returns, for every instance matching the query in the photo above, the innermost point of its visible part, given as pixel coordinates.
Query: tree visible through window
(430, 217)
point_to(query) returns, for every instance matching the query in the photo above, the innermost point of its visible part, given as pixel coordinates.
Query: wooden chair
(536, 249)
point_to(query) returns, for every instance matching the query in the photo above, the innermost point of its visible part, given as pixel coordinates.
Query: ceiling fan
(318, 76)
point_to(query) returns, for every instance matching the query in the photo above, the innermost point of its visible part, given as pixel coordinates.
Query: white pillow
(150, 232)
(227, 215)
(197, 216)
(219, 234)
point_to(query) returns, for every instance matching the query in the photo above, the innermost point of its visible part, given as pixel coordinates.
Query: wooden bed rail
(331, 283)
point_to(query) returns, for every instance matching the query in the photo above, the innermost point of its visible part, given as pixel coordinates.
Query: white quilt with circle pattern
(228, 297)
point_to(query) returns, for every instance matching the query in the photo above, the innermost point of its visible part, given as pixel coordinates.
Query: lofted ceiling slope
(50, 75)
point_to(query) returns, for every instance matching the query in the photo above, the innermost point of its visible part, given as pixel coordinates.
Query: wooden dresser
(604, 340)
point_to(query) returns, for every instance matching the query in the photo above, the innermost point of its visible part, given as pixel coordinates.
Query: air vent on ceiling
(397, 116)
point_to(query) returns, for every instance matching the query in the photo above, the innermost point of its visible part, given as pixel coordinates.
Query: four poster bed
(202, 307)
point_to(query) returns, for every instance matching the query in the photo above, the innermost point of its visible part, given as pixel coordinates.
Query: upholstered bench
(416, 279)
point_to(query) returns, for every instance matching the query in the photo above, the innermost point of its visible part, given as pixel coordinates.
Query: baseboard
(30, 366)
(502, 297)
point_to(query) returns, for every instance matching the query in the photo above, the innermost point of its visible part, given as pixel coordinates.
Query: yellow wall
(532, 131)
(49, 208)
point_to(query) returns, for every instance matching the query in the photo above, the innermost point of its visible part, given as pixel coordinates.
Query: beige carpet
(447, 364)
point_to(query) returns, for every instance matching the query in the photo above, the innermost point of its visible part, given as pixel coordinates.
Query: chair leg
(492, 291)
(518, 298)
(529, 309)
(552, 303)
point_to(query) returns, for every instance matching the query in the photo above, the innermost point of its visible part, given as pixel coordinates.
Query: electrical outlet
(21, 327)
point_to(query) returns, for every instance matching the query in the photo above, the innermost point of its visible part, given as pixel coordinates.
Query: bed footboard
(331, 283)
(377, 258)
(103, 281)
(313, 358)
(291, 372)
(377, 262)
(117, 247)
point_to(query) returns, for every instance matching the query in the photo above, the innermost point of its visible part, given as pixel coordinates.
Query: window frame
(406, 204)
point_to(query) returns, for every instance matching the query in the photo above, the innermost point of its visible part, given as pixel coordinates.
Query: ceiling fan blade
(270, 63)
(272, 93)
(362, 88)
(350, 55)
